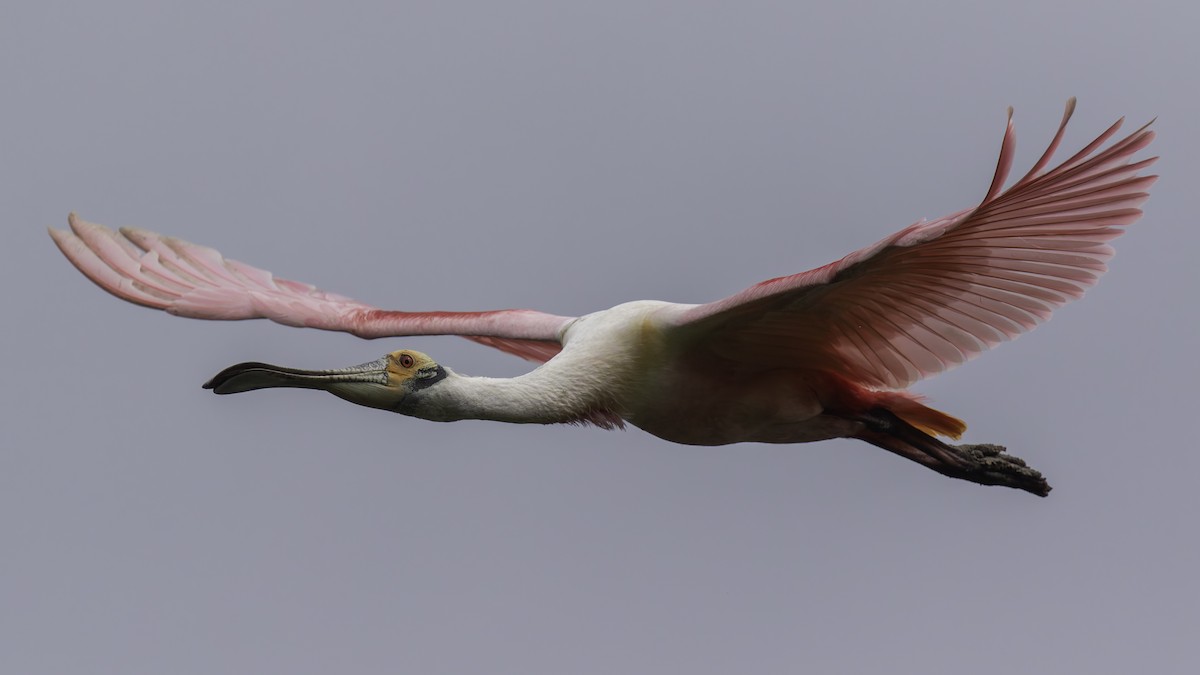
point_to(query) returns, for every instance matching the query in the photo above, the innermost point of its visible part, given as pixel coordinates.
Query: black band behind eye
(429, 376)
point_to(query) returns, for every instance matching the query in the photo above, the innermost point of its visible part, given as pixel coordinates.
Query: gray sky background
(567, 157)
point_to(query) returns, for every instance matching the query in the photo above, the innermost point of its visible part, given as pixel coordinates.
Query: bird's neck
(539, 397)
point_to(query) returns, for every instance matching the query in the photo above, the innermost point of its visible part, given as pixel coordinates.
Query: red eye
(406, 361)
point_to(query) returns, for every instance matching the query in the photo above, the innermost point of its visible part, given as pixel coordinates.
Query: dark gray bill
(253, 375)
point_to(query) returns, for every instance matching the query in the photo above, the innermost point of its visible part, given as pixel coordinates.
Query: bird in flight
(821, 354)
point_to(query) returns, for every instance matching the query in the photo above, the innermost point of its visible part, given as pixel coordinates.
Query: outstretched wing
(939, 293)
(198, 282)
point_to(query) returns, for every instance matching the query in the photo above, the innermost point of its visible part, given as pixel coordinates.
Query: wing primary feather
(1008, 147)
(1052, 148)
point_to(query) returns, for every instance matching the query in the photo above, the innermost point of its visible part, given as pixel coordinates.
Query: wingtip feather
(86, 246)
(1008, 147)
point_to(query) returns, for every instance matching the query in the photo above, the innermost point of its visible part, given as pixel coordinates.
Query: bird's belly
(771, 408)
(718, 431)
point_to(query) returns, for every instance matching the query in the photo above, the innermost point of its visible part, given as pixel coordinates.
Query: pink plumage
(936, 294)
(195, 281)
(820, 354)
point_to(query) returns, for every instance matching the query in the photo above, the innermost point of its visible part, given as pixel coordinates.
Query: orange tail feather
(932, 422)
(840, 395)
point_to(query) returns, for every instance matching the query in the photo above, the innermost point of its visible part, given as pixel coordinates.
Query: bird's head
(384, 383)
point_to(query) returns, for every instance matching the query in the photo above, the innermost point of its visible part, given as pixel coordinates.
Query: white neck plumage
(534, 398)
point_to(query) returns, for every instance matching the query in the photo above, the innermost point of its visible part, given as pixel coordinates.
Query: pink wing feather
(939, 293)
(196, 281)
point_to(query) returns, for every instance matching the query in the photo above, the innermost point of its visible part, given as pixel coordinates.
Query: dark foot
(988, 464)
(982, 463)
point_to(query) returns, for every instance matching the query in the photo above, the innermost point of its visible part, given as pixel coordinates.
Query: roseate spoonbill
(816, 355)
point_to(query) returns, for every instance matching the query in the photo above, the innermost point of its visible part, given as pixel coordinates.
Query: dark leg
(983, 463)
